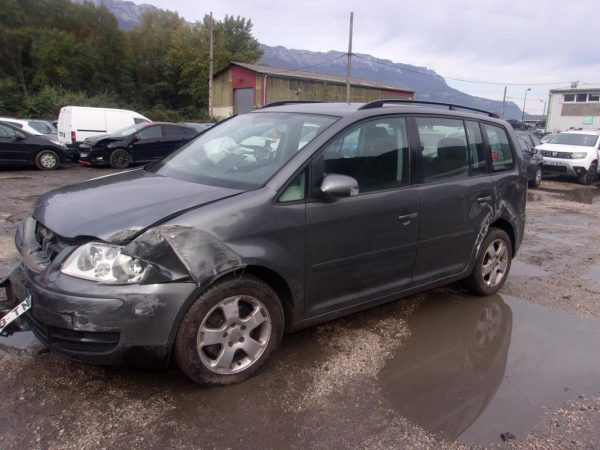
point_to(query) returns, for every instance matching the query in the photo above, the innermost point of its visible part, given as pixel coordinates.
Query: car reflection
(452, 366)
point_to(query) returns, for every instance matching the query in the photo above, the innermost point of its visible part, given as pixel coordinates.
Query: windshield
(584, 140)
(243, 152)
(42, 127)
(129, 130)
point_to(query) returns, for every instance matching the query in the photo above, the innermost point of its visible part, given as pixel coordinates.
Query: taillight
(73, 136)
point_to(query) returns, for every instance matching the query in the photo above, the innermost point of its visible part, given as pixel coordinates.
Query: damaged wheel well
(276, 282)
(508, 229)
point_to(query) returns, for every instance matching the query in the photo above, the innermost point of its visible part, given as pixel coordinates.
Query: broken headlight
(104, 263)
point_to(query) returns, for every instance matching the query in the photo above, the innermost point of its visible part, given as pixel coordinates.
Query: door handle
(405, 219)
(484, 200)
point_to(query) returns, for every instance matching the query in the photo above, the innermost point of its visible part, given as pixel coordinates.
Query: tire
(590, 175)
(119, 159)
(494, 254)
(47, 160)
(537, 178)
(229, 331)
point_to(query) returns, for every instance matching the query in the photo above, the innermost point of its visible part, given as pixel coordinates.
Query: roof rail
(288, 102)
(452, 107)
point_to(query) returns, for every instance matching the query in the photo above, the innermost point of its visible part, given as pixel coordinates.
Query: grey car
(273, 221)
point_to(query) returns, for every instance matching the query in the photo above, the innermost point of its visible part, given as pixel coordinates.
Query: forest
(56, 53)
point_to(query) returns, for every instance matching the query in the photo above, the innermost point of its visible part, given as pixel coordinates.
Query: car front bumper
(131, 325)
(570, 167)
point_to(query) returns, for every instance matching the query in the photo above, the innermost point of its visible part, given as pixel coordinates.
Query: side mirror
(19, 136)
(338, 186)
(136, 137)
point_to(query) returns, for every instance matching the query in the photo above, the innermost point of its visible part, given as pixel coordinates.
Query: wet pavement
(442, 369)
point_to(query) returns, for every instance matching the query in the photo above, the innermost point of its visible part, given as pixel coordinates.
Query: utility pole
(210, 67)
(503, 103)
(524, 103)
(349, 68)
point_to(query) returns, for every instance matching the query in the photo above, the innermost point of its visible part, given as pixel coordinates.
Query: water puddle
(587, 196)
(521, 269)
(595, 274)
(479, 367)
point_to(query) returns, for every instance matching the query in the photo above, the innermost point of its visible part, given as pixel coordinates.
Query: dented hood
(116, 207)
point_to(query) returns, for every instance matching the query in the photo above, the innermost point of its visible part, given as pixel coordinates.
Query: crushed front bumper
(132, 325)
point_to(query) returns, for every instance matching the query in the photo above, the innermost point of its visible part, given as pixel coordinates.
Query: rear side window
(443, 149)
(375, 153)
(172, 130)
(6, 131)
(137, 120)
(502, 156)
(150, 132)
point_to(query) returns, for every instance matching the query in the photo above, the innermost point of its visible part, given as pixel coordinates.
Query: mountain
(426, 83)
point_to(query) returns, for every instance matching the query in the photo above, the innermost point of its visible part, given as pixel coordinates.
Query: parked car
(209, 255)
(33, 126)
(534, 162)
(145, 142)
(531, 139)
(547, 138)
(77, 123)
(18, 147)
(574, 154)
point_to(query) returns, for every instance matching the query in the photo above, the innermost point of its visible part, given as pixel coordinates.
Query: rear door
(172, 138)
(456, 196)
(148, 145)
(362, 248)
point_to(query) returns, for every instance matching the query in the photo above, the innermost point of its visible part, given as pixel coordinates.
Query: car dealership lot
(438, 367)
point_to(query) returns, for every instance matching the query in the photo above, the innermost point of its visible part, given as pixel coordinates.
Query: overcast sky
(529, 43)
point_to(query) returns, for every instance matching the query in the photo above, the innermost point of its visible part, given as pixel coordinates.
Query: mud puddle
(587, 196)
(476, 368)
(522, 269)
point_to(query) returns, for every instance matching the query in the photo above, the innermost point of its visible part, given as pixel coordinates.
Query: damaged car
(273, 221)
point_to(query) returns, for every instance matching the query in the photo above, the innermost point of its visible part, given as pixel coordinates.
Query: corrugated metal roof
(579, 88)
(290, 73)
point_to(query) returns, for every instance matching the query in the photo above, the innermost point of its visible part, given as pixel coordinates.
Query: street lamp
(524, 102)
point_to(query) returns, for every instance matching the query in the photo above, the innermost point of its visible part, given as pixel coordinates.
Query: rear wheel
(119, 159)
(47, 160)
(492, 265)
(590, 176)
(229, 331)
(537, 178)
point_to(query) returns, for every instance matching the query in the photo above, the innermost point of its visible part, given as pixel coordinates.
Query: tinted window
(523, 144)
(502, 157)
(136, 120)
(476, 149)
(173, 130)
(443, 149)
(374, 153)
(150, 132)
(6, 131)
(42, 127)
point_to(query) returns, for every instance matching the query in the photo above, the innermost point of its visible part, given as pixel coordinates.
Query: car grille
(549, 168)
(551, 154)
(72, 341)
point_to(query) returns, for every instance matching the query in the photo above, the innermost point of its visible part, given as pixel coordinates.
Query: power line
(455, 79)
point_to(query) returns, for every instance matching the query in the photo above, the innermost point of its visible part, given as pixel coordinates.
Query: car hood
(564, 148)
(117, 207)
(103, 137)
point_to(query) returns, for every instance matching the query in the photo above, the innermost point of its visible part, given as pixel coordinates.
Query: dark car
(18, 147)
(534, 162)
(272, 221)
(530, 137)
(141, 143)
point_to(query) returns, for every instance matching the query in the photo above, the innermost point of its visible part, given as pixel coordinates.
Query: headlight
(578, 155)
(104, 263)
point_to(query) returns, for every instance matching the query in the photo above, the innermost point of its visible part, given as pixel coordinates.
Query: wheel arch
(505, 225)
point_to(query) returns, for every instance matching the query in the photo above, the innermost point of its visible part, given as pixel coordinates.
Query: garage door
(243, 100)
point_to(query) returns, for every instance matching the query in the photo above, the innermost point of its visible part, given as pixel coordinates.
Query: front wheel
(229, 331)
(492, 265)
(47, 160)
(119, 159)
(590, 175)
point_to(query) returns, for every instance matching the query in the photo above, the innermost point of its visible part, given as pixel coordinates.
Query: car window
(42, 127)
(150, 132)
(173, 130)
(138, 121)
(6, 131)
(296, 190)
(375, 153)
(523, 144)
(502, 156)
(477, 157)
(443, 149)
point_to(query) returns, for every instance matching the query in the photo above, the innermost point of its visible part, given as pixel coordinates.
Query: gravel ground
(323, 387)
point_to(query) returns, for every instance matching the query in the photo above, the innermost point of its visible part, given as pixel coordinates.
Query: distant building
(577, 106)
(240, 87)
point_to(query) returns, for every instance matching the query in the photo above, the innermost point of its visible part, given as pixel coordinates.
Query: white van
(76, 123)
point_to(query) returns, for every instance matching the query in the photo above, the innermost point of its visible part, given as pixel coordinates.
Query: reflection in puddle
(479, 367)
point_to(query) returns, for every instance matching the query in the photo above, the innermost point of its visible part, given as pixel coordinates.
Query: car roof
(596, 132)
(347, 109)
(20, 130)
